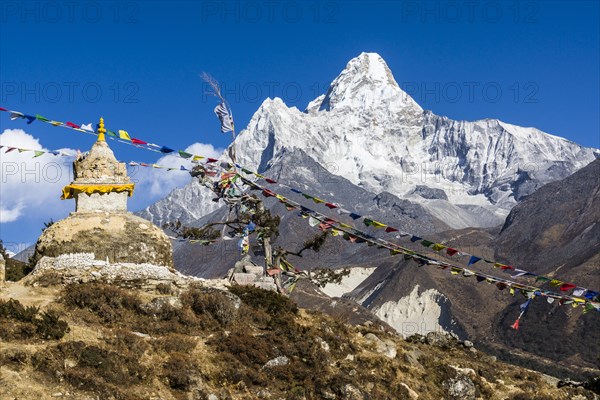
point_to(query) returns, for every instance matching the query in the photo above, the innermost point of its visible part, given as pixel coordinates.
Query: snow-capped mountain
(187, 204)
(366, 129)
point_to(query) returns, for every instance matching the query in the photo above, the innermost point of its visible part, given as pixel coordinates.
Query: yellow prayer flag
(196, 158)
(124, 135)
(378, 224)
(438, 247)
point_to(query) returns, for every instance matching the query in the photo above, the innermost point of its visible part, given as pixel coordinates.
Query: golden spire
(101, 131)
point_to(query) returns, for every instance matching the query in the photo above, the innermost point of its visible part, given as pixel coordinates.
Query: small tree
(247, 215)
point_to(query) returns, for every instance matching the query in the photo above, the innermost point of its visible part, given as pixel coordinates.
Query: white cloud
(28, 185)
(10, 215)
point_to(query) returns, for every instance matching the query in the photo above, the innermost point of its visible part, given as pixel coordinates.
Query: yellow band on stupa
(70, 191)
(101, 131)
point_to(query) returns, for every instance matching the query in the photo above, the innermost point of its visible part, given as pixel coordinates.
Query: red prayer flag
(505, 267)
(3, 109)
(450, 251)
(72, 125)
(567, 286)
(515, 326)
(270, 180)
(268, 193)
(138, 141)
(331, 205)
(390, 229)
(323, 226)
(211, 160)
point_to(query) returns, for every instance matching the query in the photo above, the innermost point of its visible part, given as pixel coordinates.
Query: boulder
(387, 348)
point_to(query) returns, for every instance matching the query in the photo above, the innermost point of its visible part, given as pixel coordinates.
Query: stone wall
(101, 201)
(85, 267)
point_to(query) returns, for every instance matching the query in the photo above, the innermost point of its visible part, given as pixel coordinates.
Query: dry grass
(215, 342)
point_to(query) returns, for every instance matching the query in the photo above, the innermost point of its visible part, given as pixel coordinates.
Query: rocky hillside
(146, 340)
(556, 232)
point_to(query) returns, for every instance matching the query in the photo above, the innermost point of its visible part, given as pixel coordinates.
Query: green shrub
(50, 326)
(179, 371)
(105, 301)
(26, 323)
(176, 343)
(216, 304)
(266, 300)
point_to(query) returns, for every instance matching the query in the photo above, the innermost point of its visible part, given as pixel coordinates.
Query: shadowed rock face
(558, 226)
(118, 237)
(556, 232)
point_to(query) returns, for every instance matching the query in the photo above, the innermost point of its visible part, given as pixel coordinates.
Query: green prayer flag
(426, 243)
(368, 222)
(38, 153)
(111, 133)
(183, 154)
(40, 118)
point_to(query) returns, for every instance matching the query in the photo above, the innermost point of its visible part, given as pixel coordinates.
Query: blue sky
(137, 64)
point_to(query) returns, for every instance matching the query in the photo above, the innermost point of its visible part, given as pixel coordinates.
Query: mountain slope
(97, 340)
(554, 232)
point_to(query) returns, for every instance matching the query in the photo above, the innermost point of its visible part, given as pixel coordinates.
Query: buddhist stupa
(101, 223)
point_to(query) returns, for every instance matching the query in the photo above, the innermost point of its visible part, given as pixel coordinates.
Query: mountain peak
(366, 82)
(371, 66)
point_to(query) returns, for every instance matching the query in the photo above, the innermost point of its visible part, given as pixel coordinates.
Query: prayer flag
(225, 117)
(438, 247)
(450, 251)
(124, 135)
(473, 260)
